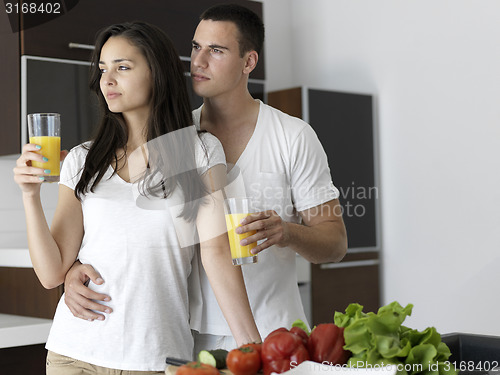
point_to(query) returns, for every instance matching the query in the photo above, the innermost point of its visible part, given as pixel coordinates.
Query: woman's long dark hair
(170, 111)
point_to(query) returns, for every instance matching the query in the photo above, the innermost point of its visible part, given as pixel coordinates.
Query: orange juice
(51, 149)
(238, 251)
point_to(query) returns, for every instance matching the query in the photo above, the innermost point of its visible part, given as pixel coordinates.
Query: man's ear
(252, 58)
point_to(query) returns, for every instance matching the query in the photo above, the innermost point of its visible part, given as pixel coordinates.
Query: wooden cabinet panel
(22, 294)
(288, 101)
(335, 285)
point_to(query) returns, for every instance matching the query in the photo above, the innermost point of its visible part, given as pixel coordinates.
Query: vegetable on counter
(255, 346)
(326, 345)
(216, 357)
(381, 339)
(197, 368)
(283, 349)
(354, 339)
(244, 360)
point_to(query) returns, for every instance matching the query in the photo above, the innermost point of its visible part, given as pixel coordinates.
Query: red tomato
(254, 345)
(243, 361)
(197, 368)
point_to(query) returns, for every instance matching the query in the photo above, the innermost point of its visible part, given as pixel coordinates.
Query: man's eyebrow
(216, 46)
(212, 46)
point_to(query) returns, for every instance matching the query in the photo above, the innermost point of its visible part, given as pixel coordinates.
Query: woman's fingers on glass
(33, 171)
(31, 147)
(27, 157)
(28, 175)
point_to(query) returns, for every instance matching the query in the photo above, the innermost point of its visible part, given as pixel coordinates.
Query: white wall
(12, 219)
(434, 69)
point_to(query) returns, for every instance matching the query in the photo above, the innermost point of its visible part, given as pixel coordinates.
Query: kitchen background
(433, 71)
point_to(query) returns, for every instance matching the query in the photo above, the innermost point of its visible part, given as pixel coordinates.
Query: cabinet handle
(81, 46)
(354, 263)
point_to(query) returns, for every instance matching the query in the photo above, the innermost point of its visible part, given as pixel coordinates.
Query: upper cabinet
(67, 35)
(10, 132)
(66, 29)
(345, 126)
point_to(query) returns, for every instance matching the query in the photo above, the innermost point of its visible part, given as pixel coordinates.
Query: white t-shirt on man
(284, 168)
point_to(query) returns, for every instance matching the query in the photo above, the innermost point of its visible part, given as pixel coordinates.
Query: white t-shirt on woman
(146, 272)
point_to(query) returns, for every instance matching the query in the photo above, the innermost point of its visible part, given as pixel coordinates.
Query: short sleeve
(209, 152)
(72, 167)
(310, 175)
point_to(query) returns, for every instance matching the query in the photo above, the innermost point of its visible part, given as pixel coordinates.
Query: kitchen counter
(20, 257)
(18, 330)
(12, 257)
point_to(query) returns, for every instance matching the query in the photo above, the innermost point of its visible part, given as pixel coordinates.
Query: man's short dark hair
(248, 23)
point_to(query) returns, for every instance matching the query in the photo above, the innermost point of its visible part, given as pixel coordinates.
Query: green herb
(299, 323)
(381, 339)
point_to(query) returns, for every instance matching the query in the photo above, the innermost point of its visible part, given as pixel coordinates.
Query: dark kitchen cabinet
(10, 131)
(70, 36)
(25, 360)
(345, 127)
(83, 19)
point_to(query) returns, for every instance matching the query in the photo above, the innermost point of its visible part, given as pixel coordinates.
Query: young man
(284, 169)
(283, 165)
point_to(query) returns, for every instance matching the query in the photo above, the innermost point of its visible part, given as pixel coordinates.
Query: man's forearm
(322, 243)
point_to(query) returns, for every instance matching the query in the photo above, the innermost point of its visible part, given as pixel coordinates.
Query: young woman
(138, 78)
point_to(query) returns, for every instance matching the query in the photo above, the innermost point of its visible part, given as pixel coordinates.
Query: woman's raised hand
(26, 176)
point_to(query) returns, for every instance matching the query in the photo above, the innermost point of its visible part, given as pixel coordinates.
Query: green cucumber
(216, 357)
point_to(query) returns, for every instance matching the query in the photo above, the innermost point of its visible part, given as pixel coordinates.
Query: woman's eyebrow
(116, 61)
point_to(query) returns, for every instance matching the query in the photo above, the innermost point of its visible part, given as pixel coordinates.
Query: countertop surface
(12, 257)
(19, 257)
(18, 330)
(14, 249)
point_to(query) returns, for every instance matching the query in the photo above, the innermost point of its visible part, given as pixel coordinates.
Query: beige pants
(61, 365)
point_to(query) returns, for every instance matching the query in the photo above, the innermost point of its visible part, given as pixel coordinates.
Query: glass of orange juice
(44, 129)
(236, 209)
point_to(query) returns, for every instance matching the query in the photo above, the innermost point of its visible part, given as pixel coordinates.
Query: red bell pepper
(283, 350)
(326, 345)
(301, 333)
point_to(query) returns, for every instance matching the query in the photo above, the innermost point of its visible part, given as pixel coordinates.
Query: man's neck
(229, 113)
(232, 122)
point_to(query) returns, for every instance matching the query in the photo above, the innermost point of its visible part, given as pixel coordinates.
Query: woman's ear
(252, 58)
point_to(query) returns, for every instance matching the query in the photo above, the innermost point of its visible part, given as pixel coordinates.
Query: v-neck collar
(245, 156)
